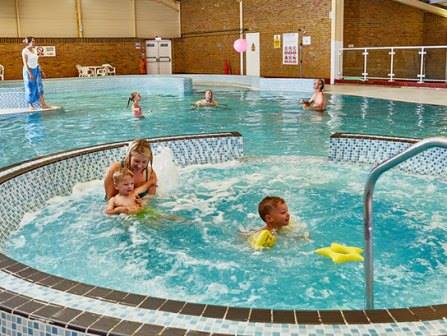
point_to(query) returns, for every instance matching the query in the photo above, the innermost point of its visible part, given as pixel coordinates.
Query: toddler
(275, 214)
(126, 201)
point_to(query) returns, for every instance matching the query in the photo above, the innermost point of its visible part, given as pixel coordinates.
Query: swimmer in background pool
(317, 102)
(135, 97)
(207, 101)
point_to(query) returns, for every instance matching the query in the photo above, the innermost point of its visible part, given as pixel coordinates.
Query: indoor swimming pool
(272, 123)
(201, 256)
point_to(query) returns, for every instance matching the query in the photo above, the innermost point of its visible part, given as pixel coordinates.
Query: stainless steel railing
(411, 63)
(368, 202)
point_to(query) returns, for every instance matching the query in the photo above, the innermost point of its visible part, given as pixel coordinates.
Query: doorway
(158, 57)
(253, 65)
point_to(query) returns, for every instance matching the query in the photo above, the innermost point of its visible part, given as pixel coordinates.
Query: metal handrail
(391, 76)
(397, 47)
(373, 176)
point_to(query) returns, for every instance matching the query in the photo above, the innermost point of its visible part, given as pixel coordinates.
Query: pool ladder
(373, 176)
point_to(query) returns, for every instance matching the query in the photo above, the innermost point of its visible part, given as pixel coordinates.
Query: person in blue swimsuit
(139, 161)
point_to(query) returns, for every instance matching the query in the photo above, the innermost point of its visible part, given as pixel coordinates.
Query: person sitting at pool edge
(317, 101)
(127, 200)
(208, 101)
(139, 161)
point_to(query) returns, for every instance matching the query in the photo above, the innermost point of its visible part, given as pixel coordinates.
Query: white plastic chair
(84, 71)
(110, 70)
(2, 72)
(101, 71)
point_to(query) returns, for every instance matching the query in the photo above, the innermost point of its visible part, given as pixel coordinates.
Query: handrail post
(373, 176)
(340, 65)
(369, 258)
(421, 75)
(391, 74)
(365, 63)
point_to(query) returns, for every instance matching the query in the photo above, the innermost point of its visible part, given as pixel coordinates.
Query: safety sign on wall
(46, 51)
(290, 48)
(276, 41)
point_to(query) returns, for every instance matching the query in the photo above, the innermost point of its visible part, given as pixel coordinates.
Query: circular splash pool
(201, 256)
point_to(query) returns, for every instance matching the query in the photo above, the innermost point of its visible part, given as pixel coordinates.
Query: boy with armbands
(274, 212)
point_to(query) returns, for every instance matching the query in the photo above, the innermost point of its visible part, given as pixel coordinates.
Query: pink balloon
(240, 45)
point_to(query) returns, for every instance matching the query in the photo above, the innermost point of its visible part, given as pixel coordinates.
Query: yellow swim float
(262, 239)
(341, 253)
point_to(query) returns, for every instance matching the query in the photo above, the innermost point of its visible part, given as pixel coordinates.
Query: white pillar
(241, 34)
(336, 15)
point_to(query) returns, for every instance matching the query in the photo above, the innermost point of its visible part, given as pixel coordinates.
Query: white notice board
(290, 48)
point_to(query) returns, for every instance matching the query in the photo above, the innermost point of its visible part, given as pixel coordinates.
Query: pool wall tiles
(373, 150)
(13, 325)
(13, 97)
(29, 191)
(255, 83)
(154, 84)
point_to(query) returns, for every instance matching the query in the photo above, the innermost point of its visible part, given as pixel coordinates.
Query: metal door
(253, 55)
(164, 57)
(152, 57)
(158, 57)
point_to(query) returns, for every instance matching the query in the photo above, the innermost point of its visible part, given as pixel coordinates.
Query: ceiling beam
(173, 4)
(425, 7)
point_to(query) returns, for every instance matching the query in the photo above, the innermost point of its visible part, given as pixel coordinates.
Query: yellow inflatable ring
(262, 239)
(341, 253)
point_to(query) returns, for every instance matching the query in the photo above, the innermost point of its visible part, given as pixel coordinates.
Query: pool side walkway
(407, 94)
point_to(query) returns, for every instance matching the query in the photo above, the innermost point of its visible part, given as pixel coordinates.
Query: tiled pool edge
(205, 319)
(373, 149)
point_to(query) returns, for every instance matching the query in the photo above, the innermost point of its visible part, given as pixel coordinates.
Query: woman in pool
(208, 100)
(138, 160)
(32, 75)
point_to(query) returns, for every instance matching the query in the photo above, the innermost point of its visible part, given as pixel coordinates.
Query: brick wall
(207, 40)
(389, 23)
(121, 53)
(435, 33)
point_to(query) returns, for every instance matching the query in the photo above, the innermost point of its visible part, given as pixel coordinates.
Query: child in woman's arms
(127, 200)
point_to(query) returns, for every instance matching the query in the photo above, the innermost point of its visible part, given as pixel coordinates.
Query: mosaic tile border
(12, 94)
(34, 302)
(22, 186)
(373, 149)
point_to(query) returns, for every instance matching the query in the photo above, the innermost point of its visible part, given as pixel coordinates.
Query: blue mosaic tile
(373, 151)
(30, 191)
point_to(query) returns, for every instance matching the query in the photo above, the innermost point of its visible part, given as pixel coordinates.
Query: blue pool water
(271, 123)
(203, 257)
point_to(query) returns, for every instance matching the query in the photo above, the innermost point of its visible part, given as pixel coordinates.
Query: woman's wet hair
(140, 146)
(321, 83)
(131, 98)
(28, 39)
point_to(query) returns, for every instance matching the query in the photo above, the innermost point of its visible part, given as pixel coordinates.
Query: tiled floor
(408, 94)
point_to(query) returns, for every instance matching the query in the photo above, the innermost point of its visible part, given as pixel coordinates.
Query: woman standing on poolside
(139, 160)
(32, 75)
